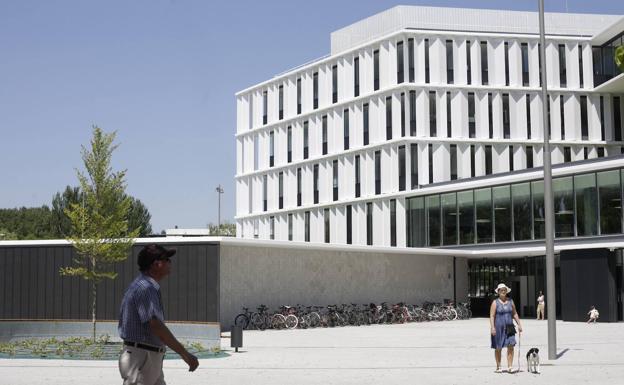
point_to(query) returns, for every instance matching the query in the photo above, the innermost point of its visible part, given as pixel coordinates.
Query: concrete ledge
(208, 334)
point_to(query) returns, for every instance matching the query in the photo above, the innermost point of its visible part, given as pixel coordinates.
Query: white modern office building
(423, 129)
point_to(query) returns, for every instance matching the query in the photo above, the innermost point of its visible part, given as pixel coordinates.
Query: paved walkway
(433, 353)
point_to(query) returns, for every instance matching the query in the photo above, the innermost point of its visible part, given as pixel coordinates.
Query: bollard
(236, 338)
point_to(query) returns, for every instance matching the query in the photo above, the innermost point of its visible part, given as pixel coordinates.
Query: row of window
(450, 71)
(584, 205)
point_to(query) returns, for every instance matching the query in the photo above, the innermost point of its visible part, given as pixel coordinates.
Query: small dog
(533, 361)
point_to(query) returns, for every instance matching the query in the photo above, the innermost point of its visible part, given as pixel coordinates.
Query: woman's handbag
(510, 330)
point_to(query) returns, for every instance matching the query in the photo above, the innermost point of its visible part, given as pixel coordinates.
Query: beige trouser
(141, 367)
(540, 310)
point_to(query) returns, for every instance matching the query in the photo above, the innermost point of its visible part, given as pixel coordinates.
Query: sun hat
(502, 286)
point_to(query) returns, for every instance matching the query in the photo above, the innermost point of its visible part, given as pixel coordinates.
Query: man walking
(142, 322)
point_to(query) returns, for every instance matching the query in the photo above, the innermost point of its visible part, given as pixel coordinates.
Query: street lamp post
(219, 192)
(549, 236)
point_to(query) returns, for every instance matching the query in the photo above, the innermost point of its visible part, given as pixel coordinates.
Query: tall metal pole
(551, 307)
(219, 192)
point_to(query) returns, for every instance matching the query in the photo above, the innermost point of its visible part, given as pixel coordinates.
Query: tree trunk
(93, 303)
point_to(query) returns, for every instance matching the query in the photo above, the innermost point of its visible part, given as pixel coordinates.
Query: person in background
(593, 315)
(502, 314)
(540, 306)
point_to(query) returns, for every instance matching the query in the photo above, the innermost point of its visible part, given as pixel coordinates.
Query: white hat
(502, 286)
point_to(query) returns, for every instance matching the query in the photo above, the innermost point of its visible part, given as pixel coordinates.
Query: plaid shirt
(140, 304)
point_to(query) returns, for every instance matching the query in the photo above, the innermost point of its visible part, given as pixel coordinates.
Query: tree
(226, 229)
(99, 224)
(6, 235)
(27, 222)
(139, 217)
(619, 57)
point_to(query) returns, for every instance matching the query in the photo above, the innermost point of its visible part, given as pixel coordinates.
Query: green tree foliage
(99, 224)
(619, 57)
(27, 222)
(139, 217)
(226, 230)
(6, 235)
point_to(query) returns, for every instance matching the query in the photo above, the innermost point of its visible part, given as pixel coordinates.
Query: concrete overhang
(613, 86)
(608, 33)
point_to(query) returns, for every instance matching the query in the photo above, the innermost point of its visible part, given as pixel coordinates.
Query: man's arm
(160, 330)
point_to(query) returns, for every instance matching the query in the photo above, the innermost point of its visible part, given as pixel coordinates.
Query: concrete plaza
(430, 353)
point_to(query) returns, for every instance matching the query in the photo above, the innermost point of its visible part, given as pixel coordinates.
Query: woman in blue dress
(502, 313)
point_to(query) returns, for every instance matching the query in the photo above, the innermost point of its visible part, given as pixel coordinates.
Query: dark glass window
(393, 232)
(376, 70)
(563, 200)
(521, 195)
(562, 66)
(290, 227)
(472, 160)
(502, 213)
(400, 66)
(271, 148)
(528, 116)
(281, 102)
(410, 58)
(617, 118)
(334, 84)
(602, 124)
(600, 151)
(471, 115)
(448, 115)
(539, 224)
(506, 118)
(357, 176)
(524, 47)
(584, 122)
(562, 116)
(426, 60)
(449, 218)
(511, 155)
(567, 154)
(488, 160)
(529, 156)
(433, 220)
(349, 225)
(299, 176)
(490, 116)
(265, 187)
(483, 208)
(377, 172)
(610, 199)
(402, 168)
(580, 57)
(415, 221)
(289, 143)
(453, 161)
(468, 63)
(315, 90)
(465, 214)
(430, 147)
(484, 64)
(412, 108)
(335, 179)
(586, 196)
(414, 165)
(402, 114)
(345, 127)
(365, 130)
(327, 227)
(433, 129)
(324, 134)
(298, 95)
(506, 63)
(272, 227)
(307, 226)
(305, 140)
(316, 183)
(265, 107)
(539, 62)
(356, 76)
(281, 189)
(449, 62)
(369, 223)
(389, 118)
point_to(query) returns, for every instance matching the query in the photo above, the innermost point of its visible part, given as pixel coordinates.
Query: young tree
(99, 224)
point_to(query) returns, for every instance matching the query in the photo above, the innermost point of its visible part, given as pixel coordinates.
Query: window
(562, 116)
(562, 66)
(490, 116)
(265, 187)
(393, 233)
(349, 225)
(539, 224)
(449, 62)
(376, 70)
(584, 123)
(521, 198)
(289, 145)
(335, 179)
(410, 59)
(281, 190)
(298, 96)
(453, 161)
(307, 226)
(483, 208)
(402, 114)
(271, 148)
(365, 130)
(265, 107)
(528, 115)
(327, 228)
(524, 48)
(432, 114)
(415, 222)
(465, 214)
(272, 227)
(502, 213)
(256, 151)
(305, 140)
(357, 176)
(334, 84)
(602, 125)
(488, 160)
(426, 60)
(506, 63)
(433, 221)
(610, 202)
(580, 57)
(468, 63)
(400, 66)
(299, 186)
(377, 172)
(472, 160)
(345, 128)
(430, 148)
(484, 63)
(506, 119)
(414, 165)
(471, 115)
(600, 152)
(324, 134)
(402, 168)
(549, 117)
(389, 118)
(290, 227)
(316, 183)
(529, 156)
(511, 162)
(448, 115)
(586, 196)
(315, 90)
(448, 203)
(281, 102)
(356, 76)
(412, 108)
(617, 118)
(563, 200)
(369, 223)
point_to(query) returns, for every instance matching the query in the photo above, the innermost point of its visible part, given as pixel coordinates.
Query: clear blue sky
(163, 75)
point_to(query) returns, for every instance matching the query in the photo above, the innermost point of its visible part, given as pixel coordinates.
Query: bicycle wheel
(304, 321)
(453, 314)
(278, 321)
(241, 320)
(291, 321)
(257, 321)
(314, 319)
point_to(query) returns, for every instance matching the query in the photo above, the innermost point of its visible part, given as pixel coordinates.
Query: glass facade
(584, 205)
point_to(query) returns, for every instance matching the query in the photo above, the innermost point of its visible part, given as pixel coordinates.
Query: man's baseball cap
(151, 253)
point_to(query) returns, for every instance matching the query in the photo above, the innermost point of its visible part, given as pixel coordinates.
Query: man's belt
(145, 346)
